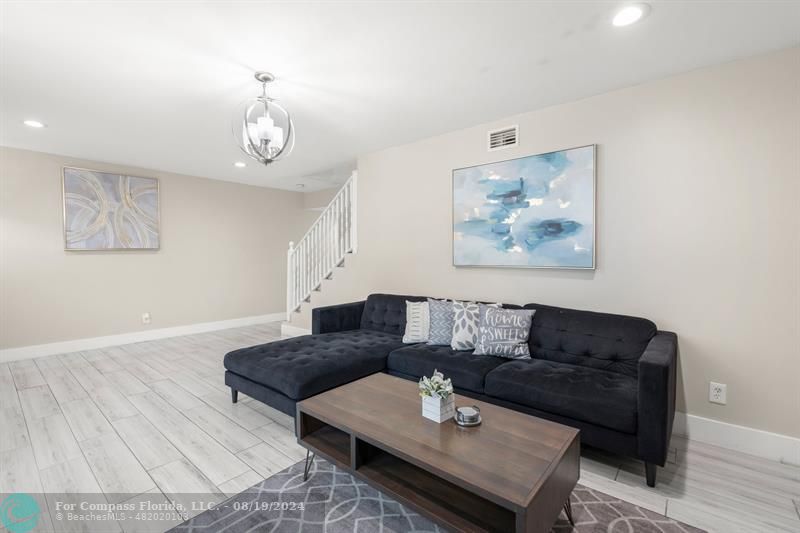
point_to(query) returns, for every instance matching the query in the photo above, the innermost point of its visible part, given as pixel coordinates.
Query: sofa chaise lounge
(610, 376)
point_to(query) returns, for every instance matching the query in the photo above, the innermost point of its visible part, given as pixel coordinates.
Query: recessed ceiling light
(34, 123)
(239, 164)
(630, 14)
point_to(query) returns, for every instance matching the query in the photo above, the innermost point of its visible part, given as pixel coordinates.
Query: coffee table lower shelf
(442, 501)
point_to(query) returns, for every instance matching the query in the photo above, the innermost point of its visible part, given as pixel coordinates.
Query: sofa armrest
(657, 374)
(341, 317)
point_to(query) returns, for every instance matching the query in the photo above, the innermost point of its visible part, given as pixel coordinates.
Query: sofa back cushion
(596, 340)
(387, 312)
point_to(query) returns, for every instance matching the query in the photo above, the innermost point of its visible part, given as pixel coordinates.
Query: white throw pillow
(418, 322)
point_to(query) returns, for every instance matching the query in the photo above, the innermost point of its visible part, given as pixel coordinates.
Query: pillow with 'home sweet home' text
(504, 332)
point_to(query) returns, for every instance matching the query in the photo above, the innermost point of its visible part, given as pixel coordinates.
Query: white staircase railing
(322, 248)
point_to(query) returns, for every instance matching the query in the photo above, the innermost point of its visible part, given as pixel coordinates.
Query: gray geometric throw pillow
(504, 332)
(441, 322)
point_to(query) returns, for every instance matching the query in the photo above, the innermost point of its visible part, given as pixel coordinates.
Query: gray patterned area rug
(333, 501)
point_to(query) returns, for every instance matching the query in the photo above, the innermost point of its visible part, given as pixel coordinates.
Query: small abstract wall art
(105, 211)
(536, 211)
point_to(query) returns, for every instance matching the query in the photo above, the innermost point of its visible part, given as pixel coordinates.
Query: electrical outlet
(717, 393)
(145, 318)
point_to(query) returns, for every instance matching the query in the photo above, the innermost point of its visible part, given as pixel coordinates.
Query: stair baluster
(324, 247)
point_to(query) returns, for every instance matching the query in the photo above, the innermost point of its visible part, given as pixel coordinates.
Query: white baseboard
(40, 350)
(773, 446)
(288, 330)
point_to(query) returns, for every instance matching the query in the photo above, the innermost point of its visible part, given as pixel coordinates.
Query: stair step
(340, 264)
(318, 288)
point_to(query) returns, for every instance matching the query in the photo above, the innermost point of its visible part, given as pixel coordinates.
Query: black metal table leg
(568, 512)
(309, 461)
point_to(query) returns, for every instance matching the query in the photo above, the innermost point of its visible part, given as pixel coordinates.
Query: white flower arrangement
(435, 386)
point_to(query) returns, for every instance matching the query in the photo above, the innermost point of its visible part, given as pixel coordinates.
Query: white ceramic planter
(437, 409)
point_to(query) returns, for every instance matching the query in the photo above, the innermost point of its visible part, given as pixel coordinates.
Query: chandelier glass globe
(262, 128)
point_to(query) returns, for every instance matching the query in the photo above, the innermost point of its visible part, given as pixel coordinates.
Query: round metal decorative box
(468, 416)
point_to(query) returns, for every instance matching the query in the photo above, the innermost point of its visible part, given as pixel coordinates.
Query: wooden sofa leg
(234, 395)
(650, 472)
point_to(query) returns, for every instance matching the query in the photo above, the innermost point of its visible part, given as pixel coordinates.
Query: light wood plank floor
(154, 420)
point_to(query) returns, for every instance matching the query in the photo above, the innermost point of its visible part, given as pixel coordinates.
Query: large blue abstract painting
(535, 211)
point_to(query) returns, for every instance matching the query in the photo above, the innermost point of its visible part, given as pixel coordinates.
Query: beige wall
(313, 203)
(698, 226)
(317, 199)
(222, 256)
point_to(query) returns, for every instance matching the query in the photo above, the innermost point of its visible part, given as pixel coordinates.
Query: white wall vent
(503, 138)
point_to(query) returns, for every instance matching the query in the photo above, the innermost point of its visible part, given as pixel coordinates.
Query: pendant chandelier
(262, 128)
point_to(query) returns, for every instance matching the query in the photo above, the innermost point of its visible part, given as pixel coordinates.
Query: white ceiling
(154, 84)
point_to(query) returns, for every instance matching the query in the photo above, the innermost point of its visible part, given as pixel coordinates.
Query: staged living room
(408, 267)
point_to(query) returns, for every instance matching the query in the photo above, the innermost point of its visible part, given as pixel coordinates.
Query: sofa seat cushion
(599, 397)
(466, 369)
(304, 366)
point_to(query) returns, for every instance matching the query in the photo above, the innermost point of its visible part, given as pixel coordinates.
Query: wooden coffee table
(514, 472)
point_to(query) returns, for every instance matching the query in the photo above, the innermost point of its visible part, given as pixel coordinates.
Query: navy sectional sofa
(611, 376)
